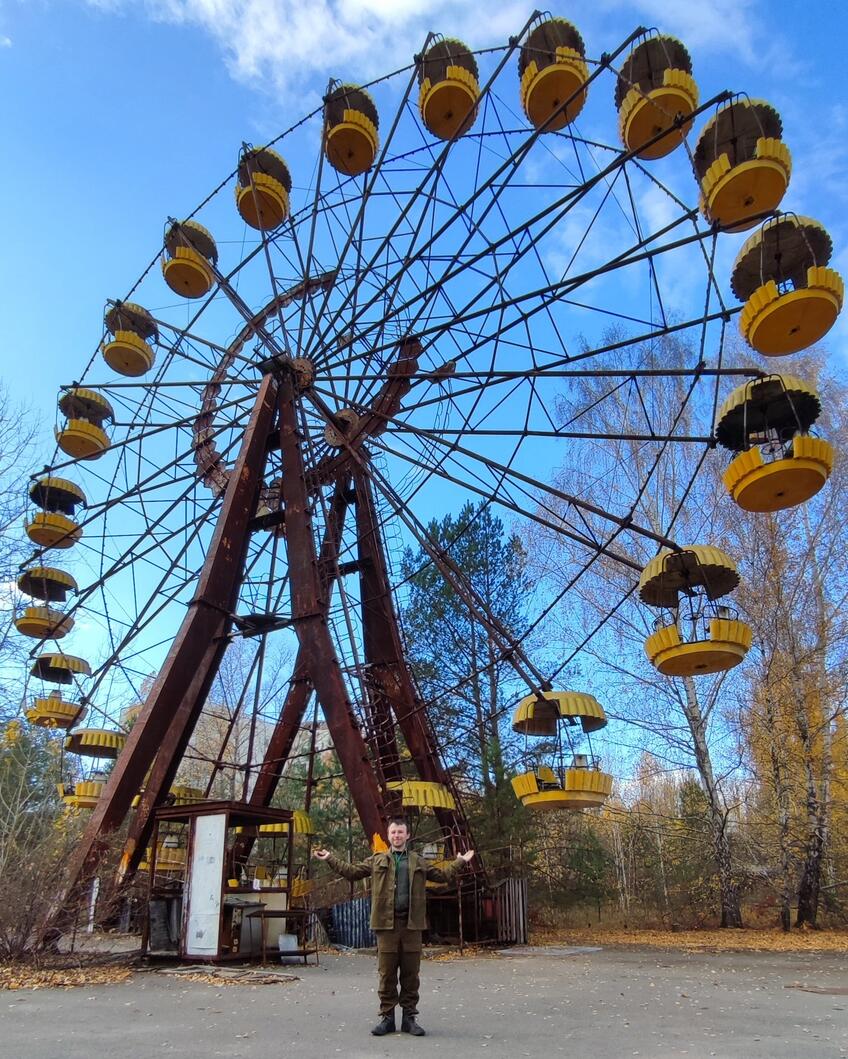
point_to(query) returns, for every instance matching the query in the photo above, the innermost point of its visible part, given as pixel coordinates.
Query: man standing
(398, 918)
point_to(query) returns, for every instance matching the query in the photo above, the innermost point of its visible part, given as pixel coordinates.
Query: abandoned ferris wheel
(271, 405)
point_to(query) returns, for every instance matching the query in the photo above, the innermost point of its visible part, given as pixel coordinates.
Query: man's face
(398, 835)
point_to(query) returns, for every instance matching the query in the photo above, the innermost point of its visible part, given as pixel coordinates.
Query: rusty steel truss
(158, 740)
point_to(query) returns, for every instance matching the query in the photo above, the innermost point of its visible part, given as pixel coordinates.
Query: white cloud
(5, 42)
(710, 25)
(284, 44)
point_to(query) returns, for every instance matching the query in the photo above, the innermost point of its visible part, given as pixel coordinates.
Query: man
(398, 918)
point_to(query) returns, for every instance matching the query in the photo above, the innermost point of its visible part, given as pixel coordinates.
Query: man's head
(398, 833)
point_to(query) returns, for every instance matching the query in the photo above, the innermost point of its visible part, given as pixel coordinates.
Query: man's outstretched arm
(351, 872)
(448, 874)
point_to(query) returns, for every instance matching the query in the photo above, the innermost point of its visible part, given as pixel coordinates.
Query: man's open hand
(466, 856)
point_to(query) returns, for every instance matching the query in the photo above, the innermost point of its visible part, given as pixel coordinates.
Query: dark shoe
(384, 1026)
(409, 1025)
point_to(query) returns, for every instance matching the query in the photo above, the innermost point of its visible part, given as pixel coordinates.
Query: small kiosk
(217, 871)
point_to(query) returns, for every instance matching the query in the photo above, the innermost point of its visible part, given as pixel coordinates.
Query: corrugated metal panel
(511, 908)
(349, 924)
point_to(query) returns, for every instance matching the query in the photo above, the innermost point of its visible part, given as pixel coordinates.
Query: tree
(36, 834)
(18, 434)
(793, 726)
(458, 666)
(659, 486)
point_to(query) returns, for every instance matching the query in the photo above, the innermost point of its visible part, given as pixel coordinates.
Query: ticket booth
(214, 869)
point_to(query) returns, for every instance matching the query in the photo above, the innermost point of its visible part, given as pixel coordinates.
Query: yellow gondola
(43, 623)
(84, 794)
(654, 90)
(791, 298)
(95, 742)
(448, 88)
(57, 494)
(60, 668)
(54, 712)
(742, 165)
(302, 825)
(582, 785)
(533, 717)
(53, 527)
(423, 795)
(716, 639)
(553, 74)
(182, 795)
(47, 583)
(263, 187)
(129, 352)
(351, 122)
(189, 256)
(83, 437)
(170, 856)
(577, 787)
(177, 795)
(771, 416)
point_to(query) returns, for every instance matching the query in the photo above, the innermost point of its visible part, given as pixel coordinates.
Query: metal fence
(511, 910)
(349, 924)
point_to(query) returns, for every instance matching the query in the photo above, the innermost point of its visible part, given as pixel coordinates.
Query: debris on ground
(212, 974)
(469, 952)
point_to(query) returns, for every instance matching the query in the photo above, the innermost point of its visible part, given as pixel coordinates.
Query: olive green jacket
(381, 868)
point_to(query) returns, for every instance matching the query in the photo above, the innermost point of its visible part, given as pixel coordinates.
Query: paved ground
(606, 1004)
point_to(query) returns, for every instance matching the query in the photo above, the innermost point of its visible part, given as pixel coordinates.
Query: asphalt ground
(594, 1004)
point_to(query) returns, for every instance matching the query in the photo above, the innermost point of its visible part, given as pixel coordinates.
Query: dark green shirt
(401, 883)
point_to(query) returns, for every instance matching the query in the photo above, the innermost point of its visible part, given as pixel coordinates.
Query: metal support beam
(387, 668)
(376, 631)
(162, 731)
(310, 622)
(291, 717)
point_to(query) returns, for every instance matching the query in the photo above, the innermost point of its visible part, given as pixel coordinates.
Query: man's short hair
(398, 820)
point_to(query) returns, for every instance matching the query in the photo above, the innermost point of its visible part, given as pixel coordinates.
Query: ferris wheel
(320, 355)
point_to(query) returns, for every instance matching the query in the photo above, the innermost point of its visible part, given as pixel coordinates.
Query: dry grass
(28, 976)
(702, 940)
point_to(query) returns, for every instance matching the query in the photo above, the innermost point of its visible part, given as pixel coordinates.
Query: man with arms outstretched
(398, 918)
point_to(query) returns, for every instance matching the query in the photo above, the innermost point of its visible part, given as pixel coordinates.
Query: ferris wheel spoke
(623, 521)
(370, 185)
(550, 520)
(505, 170)
(562, 205)
(145, 544)
(548, 294)
(454, 577)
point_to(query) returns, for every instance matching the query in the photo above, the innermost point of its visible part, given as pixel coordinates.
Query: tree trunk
(731, 912)
(813, 709)
(810, 885)
(781, 794)
(478, 710)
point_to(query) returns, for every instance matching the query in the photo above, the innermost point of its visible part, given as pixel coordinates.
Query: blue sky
(119, 113)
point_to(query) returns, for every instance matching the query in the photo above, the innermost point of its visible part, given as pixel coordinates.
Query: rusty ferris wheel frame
(389, 352)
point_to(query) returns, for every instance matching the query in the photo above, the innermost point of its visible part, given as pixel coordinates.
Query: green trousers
(398, 958)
